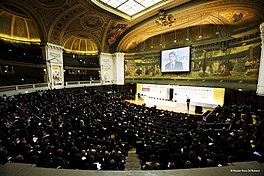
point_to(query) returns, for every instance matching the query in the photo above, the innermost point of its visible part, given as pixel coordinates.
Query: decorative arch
(183, 17)
(31, 14)
(61, 23)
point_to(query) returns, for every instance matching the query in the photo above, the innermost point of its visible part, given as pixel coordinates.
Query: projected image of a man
(173, 63)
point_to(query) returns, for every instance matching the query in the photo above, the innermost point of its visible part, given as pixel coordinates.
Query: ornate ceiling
(82, 26)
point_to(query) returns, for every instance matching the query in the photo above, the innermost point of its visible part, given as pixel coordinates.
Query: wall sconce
(165, 19)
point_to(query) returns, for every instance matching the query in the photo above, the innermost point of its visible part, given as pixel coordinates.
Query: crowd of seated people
(200, 146)
(89, 129)
(60, 128)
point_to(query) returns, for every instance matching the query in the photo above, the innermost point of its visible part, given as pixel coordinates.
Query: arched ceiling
(82, 26)
(80, 44)
(18, 28)
(230, 17)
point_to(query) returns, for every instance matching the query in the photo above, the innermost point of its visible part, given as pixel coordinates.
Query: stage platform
(168, 105)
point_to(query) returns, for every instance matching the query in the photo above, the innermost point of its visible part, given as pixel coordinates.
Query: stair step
(132, 160)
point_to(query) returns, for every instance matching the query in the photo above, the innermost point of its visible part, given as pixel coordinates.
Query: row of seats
(93, 128)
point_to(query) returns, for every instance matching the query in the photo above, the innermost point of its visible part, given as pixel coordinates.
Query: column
(106, 67)
(112, 68)
(119, 69)
(260, 86)
(54, 61)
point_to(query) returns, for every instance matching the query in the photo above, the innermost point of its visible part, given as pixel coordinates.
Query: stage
(168, 105)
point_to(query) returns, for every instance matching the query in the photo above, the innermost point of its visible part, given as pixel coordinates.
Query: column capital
(261, 27)
(105, 54)
(54, 46)
(119, 54)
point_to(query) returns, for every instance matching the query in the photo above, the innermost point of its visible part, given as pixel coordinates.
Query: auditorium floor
(179, 107)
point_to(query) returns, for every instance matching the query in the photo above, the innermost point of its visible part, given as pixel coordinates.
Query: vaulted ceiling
(88, 27)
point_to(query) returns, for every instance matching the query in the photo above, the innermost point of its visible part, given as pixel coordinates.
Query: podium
(198, 109)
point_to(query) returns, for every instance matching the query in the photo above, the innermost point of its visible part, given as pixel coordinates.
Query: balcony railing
(27, 88)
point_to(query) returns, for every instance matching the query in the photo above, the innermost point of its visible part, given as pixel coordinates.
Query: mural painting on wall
(114, 32)
(149, 67)
(19, 28)
(237, 63)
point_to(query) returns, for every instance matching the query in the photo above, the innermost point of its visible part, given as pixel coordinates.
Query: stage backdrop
(153, 90)
(200, 96)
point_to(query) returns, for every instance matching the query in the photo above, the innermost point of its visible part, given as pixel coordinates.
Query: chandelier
(165, 19)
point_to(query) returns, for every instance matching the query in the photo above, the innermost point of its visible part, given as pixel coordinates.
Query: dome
(17, 28)
(80, 44)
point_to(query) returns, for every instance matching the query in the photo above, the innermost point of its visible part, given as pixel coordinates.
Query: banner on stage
(201, 96)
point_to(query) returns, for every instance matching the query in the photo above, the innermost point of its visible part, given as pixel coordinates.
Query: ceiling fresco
(96, 29)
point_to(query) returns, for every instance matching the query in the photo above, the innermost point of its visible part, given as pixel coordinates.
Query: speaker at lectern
(171, 94)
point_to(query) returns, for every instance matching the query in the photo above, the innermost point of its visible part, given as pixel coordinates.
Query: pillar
(119, 69)
(106, 68)
(54, 62)
(260, 86)
(112, 68)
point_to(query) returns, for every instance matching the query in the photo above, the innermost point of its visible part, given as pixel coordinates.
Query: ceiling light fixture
(175, 37)
(187, 37)
(201, 35)
(160, 39)
(217, 30)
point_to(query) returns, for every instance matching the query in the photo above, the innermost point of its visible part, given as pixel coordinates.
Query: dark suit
(176, 66)
(188, 103)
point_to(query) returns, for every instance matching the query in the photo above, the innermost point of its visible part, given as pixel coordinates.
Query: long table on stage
(169, 105)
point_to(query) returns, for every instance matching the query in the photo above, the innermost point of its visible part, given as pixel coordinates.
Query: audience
(88, 128)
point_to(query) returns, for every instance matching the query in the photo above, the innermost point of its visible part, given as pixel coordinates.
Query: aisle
(132, 161)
